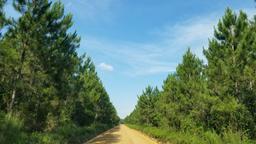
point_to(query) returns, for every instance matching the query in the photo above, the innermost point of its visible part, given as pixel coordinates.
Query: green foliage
(146, 110)
(43, 81)
(229, 59)
(2, 15)
(73, 134)
(11, 130)
(178, 137)
(212, 102)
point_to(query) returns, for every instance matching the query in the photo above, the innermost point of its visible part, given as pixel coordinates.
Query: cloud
(162, 56)
(105, 67)
(91, 10)
(156, 57)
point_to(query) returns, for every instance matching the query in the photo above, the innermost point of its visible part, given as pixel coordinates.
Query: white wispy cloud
(105, 67)
(155, 57)
(91, 10)
(160, 56)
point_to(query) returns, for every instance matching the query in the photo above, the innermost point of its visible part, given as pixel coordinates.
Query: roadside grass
(208, 137)
(12, 132)
(69, 134)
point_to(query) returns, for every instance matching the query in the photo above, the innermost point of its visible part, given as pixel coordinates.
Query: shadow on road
(108, 137)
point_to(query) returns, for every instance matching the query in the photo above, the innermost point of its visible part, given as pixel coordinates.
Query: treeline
(211, 102)
(48, 94)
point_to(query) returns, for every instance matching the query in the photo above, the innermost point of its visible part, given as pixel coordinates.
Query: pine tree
(219, 96)
(146, 111)
(224, 53)
(83, 112)
(146, 107)
(46, 60)
(4, 57)
(43, 81)
(93, 99)
(229, 68)
(2, 15)
(183, 93)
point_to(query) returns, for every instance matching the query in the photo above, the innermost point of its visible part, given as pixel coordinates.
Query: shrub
(11, 130)
(203, 137)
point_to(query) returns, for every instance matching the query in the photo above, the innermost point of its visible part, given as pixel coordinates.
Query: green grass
(207, 137)
(12, 132)
(69, 134)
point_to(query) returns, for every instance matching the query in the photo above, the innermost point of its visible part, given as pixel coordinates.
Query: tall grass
(67, 134)
(12, 132)
(207, 137)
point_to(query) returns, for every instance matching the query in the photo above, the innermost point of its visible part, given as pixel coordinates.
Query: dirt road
(122, 135)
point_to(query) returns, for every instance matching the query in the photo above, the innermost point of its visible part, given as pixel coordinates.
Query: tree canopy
(43, 81)
(217, 95)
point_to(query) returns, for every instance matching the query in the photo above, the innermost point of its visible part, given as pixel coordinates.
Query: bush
(11, 130)
(73, 134)
(45, 138)
(212, 137)
(203, 137)
(230, 137)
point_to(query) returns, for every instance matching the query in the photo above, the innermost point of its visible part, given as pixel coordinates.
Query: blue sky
(136, 43)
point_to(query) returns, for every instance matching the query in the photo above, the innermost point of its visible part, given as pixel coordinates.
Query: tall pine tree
(230, 58)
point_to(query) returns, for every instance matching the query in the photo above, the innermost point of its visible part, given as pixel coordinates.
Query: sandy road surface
(122, 135)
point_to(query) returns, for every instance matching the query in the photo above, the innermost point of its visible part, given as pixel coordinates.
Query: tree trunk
(12, 100)
(18, 76)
